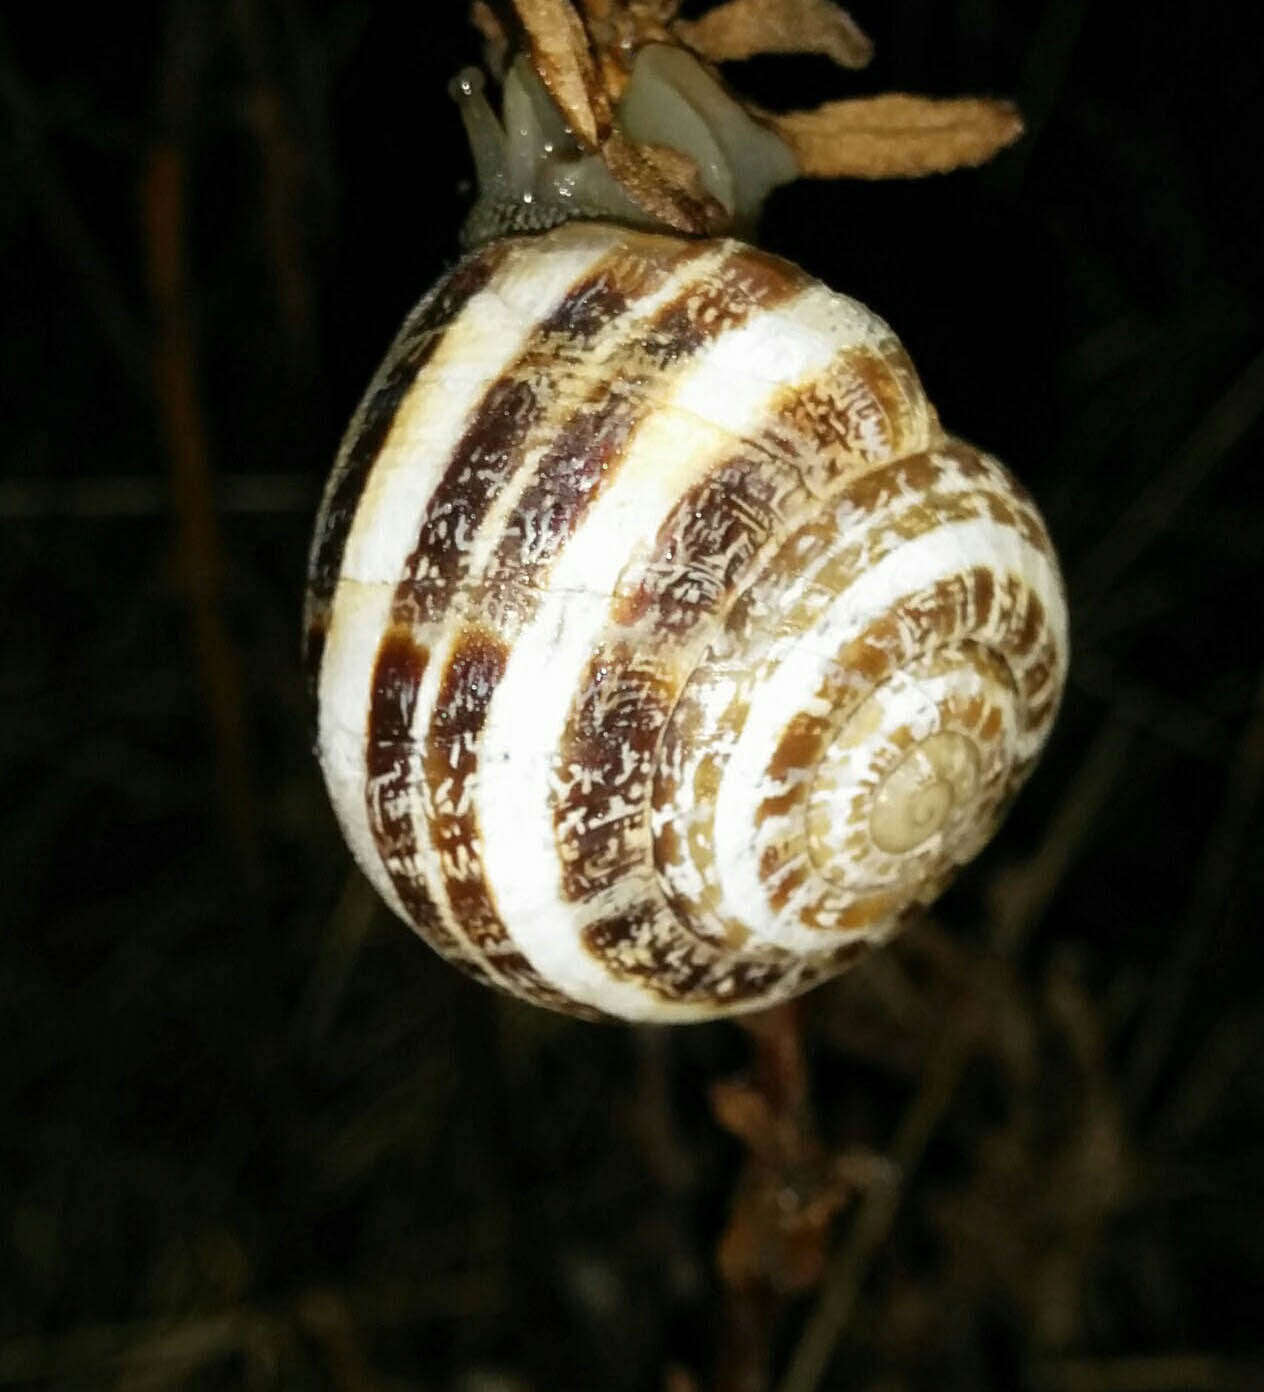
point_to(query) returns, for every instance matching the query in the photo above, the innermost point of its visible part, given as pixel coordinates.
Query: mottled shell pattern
(667, 651)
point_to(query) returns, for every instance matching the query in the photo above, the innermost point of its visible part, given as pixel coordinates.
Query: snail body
(667, 651)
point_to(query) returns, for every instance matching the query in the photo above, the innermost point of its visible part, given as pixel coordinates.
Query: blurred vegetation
(252, 1134)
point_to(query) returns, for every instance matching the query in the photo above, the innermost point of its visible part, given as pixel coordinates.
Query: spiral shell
(666, 649)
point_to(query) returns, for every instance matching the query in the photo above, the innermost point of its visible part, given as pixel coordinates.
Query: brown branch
(790, 1188)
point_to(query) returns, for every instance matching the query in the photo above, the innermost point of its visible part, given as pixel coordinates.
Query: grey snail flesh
(532, 174)
(667, 651)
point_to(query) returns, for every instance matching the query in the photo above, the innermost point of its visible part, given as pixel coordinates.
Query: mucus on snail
(667, 651)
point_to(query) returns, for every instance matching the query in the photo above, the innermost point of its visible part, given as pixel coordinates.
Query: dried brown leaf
(897, 136)
(564, 62)
(665, 184)
(744, 28)
(619, 29)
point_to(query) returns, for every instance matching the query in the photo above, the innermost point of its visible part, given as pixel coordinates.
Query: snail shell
(667, 651)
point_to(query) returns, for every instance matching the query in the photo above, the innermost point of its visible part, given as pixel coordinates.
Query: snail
(668, 653)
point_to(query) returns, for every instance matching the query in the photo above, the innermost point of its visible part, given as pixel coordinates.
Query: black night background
(253, 1134)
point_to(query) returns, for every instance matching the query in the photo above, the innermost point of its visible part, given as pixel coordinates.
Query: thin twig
(847, 1271)
(767, 1249)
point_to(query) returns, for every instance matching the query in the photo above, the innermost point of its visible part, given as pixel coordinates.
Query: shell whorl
(666, 649)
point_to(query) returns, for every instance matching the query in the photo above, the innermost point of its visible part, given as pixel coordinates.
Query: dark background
(252, 1133)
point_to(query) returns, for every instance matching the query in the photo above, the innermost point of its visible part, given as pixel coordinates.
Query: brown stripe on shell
(493, 451)
(604, 769)
(393, 764)
(699, 559)
(605, 761)
(903, 499)
(746, 281)
(1025, 515)
(587, 451)
(677, 841)
(692, 749)
(414, 346)
(865, 407)
(644, 944)
(1029, 645)
(450, 762)
(923, 622)
(827, 914)
(552, 366)
(705, 547)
